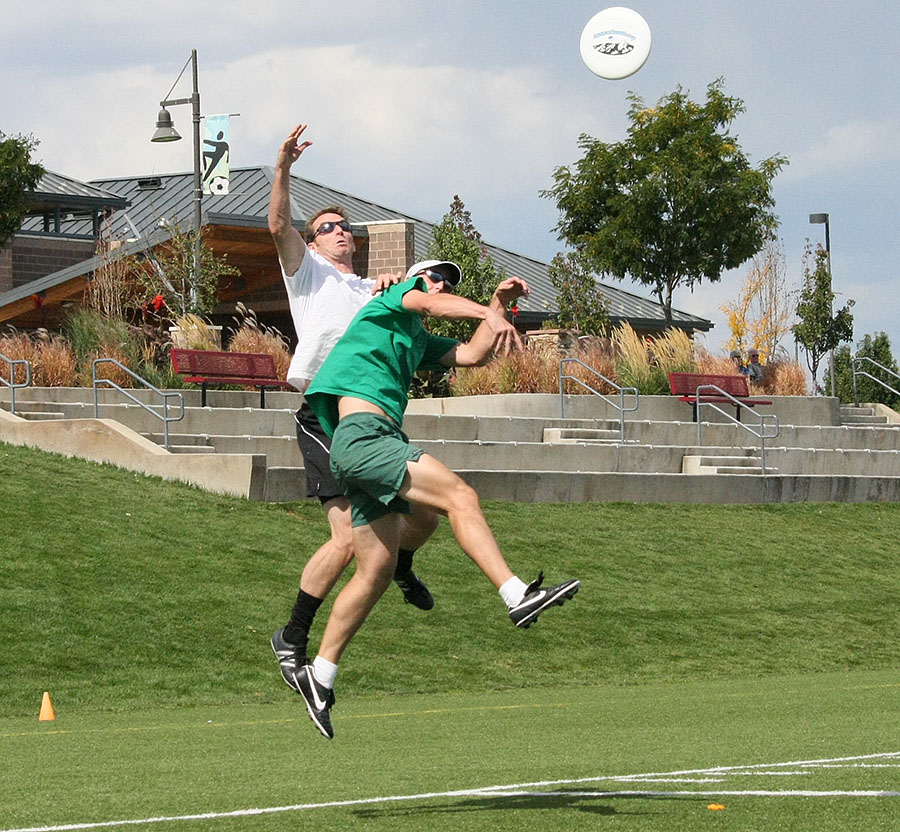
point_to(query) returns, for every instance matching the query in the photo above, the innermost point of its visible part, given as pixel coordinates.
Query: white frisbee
(615, 43)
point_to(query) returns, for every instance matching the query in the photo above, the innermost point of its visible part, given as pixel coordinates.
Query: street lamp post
(166, 132)
(822, 219)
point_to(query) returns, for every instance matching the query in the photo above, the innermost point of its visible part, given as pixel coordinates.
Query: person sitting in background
(754, 368)
(735, 356)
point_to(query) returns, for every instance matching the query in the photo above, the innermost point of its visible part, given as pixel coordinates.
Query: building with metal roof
(148, 209)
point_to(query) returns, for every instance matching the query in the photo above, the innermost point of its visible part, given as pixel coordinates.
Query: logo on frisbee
(615, 43)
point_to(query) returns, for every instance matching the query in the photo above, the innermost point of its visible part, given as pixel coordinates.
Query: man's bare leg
(431, 483)
(376, 547)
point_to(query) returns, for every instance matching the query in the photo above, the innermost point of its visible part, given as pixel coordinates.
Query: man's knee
(462, 497)
(342, 545)
(339, 520)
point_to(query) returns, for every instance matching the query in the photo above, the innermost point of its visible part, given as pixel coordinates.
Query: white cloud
(846, 147)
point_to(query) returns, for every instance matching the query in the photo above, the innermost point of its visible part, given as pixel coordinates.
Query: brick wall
(391, 247)
(34, 257)
(6, 276)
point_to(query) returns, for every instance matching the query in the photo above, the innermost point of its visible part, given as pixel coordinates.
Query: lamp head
(818, 219)
(165, 129)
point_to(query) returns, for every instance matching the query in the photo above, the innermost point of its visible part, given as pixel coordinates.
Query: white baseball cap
(450, 270)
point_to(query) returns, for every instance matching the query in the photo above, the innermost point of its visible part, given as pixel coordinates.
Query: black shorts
(316, 449)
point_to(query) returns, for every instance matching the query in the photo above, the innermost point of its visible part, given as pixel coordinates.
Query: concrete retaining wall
(107, 441)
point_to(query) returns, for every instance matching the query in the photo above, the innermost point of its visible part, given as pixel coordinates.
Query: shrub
(636, 363)
(251, 336)
(599, 354)
(93, 335)
(194, 333)
(54, 362)
(784, 378)
(16, 346)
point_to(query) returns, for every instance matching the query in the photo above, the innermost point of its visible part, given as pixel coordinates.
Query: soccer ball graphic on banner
(218, 185)
(615, 43)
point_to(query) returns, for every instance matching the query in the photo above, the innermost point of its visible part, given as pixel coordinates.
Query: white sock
(326, 671)
(513, 591)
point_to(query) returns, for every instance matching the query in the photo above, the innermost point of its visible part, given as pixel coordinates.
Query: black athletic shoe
(318, 698)
(291, 658)
(536, 600)
(414, 591)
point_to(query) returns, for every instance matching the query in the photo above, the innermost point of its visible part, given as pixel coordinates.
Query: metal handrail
(11, 383)
(860, 358)
(164, 416)
(621, 391)
(761, 434)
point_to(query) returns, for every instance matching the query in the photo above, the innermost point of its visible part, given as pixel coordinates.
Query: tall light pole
(166, 132)
(822, 219)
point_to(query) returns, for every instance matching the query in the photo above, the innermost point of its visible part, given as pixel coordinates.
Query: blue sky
(411, 103)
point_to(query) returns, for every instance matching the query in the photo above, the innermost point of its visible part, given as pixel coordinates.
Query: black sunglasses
(328, 227)
(437, 277)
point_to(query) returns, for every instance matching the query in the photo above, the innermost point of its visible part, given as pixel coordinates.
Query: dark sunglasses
(328, 227)
(437, 277)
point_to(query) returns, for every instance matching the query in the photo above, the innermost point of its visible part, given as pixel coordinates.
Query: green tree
(18, 175)
(820, 329)
(579, 298)
(878, 348)
(172, 275)
(455, 238)
(674, 204)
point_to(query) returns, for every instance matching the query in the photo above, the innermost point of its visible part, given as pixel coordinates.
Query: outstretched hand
(505, 335)
(292, 149)
(510, 289)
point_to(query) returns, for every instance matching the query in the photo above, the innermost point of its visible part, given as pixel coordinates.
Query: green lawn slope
(120, 592)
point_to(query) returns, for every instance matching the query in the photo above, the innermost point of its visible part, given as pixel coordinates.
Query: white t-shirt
(323, 301)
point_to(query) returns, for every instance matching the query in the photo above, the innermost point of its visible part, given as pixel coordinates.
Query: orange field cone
(47, 713)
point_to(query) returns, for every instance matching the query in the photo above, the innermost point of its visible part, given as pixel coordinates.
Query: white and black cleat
(536, 600)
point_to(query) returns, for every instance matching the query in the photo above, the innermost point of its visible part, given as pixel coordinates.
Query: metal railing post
(12, 363)
(858, 359)
(620, 390)
(761, 434)
(165, 418)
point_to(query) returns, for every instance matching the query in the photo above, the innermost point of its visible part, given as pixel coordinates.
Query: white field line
(530, 790)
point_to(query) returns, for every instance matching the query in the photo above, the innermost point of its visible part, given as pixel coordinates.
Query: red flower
(515, 311)
(158, 303)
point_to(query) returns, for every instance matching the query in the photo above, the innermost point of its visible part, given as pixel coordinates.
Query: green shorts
(368, 459)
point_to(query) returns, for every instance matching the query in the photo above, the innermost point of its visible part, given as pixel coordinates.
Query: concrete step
(39, 415)
(179, 438)
(862, 415)
(190, 449)
(712, 464)
(581, 435)
(858, 419)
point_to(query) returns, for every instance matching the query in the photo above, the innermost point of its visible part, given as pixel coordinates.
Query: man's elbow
(468, 359)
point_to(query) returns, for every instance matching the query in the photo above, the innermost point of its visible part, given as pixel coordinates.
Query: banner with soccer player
(216, 154)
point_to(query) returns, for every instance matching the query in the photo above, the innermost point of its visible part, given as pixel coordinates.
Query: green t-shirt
(376, 358)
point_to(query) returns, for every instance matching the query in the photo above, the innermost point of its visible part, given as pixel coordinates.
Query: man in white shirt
(325, 294)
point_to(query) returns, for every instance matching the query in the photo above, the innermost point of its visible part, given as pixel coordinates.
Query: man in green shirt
(359, 395)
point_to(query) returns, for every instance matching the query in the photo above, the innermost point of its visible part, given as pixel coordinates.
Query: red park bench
(248, 369)
(685, 386)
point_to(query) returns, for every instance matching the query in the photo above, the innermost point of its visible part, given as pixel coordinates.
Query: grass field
(738, 656)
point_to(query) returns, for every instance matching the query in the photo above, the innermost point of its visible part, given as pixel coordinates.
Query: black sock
(297, 629)
(404, 562)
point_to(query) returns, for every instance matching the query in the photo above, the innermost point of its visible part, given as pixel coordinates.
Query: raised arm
(494, 333)
(487, 340)
(288, 241)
